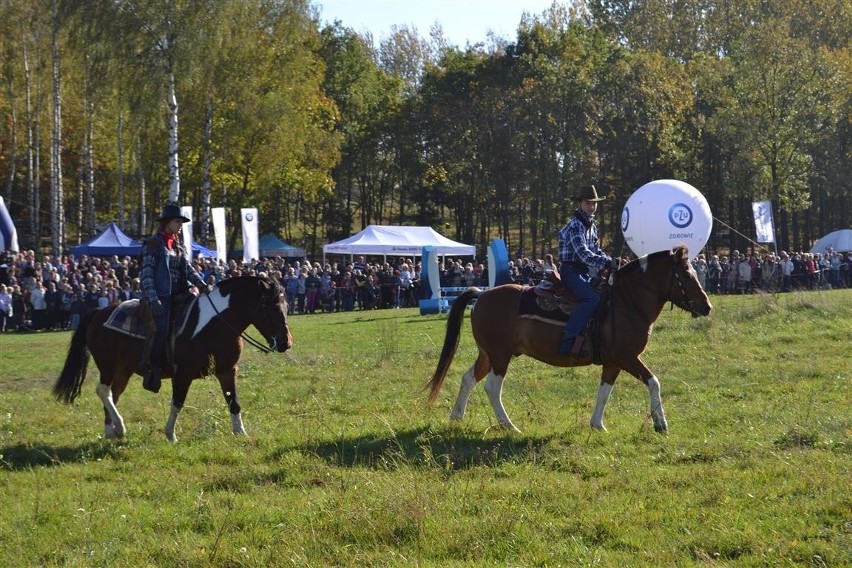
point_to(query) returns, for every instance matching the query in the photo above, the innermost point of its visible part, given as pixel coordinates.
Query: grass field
(345, 466)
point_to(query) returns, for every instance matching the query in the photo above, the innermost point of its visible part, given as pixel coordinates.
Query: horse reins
(247, 338)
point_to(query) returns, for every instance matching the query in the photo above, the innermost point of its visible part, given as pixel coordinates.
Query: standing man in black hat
(166, 271)
(581, 258)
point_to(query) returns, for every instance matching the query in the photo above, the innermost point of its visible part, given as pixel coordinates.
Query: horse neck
(642, 294)
(237, 315)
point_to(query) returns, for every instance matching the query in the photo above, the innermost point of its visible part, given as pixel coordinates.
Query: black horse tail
(70, 380)
(451, 340)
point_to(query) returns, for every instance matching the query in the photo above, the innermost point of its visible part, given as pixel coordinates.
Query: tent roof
(398, 241)
(203, 251)
(271, 246)
(108, 242)
(840, 241)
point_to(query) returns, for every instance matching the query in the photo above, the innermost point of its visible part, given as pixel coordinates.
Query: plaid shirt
(579, 244)
(154, 275)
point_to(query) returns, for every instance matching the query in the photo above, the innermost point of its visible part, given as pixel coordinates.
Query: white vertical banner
(186, 229)
(763, 221)
(250, 239)
(218, 215)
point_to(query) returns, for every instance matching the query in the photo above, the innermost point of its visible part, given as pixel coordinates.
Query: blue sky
(463, 20)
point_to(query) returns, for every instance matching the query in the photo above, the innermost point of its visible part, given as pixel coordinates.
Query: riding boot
(152, 379)
(151, 327)
(145, 356)
(572, 346)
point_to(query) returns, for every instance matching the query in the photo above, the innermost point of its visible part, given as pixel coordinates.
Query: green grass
(345, 466)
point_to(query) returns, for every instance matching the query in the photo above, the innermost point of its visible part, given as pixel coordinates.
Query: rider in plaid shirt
(581, 258)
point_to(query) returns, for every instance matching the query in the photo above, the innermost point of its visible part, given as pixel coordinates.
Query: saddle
(553, 302)
(128, 318)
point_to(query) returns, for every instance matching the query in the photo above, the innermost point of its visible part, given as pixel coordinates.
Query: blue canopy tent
(108, 242)
(202, 251)
(270, 246)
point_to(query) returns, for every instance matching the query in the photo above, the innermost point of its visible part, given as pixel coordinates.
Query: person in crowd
(291, 286)
(714, 274)
(744, 274)
(166, 273)
(18, 315)
(53, 301)
(312, 289)
(786, 270)
(581, 258)
(5, 307)
(301, 289)
(39, 306)
(701, 270)
(405, 277)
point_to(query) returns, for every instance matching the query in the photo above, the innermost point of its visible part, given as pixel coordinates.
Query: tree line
(112, 107)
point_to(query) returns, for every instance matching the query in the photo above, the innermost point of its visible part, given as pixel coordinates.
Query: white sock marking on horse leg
(174, 412)
(494, 388)
(116, 427)
(658, 415)
(467, 384)
(603, 397)
(237, 424)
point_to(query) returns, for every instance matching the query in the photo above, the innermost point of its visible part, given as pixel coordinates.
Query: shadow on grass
(26, 456)
(423, 447)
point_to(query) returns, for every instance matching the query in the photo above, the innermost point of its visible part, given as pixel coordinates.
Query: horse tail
(451, 341)
(70, 380)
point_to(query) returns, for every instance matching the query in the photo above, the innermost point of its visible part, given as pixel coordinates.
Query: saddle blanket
(545, 308)
(124, 320)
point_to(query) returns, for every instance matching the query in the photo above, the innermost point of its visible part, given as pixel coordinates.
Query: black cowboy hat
(172, 211)
(589, 193)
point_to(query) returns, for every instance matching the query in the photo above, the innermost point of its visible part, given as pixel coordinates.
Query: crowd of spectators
(747, 273)
(53, 293)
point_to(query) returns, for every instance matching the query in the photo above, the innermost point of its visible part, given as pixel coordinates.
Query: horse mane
(635, 263)
(228, 284)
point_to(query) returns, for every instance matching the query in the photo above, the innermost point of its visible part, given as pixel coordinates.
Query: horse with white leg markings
(210, 341)
(502, 330)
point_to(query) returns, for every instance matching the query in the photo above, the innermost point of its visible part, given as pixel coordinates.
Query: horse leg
(469, 379)
(467, 384)
(639, 370)
(228, 382)
(608, 375)
(494, 388)
(180, 388)
(113, 421)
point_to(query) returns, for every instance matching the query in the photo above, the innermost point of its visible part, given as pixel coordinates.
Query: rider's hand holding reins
(156, 308)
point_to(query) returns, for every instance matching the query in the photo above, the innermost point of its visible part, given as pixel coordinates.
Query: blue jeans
(577, 280)
(158, 349)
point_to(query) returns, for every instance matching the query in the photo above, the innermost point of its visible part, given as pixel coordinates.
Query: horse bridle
(686, 303)
(247, 338)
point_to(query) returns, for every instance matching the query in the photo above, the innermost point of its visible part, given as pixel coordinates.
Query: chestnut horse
(211, 341)
(638, 294)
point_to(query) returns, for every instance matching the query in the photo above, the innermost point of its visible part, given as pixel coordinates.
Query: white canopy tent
(839, 241)
(390, 240)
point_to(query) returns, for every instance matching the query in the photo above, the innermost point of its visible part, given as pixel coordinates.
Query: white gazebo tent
(388, 240)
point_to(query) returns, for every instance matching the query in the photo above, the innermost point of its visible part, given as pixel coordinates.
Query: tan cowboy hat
(589, 193)
(172, 211)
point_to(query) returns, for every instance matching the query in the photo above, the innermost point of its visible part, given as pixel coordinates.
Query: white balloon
(663, 214)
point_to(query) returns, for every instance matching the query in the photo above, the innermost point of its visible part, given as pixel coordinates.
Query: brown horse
(639, 292)
(210, 341)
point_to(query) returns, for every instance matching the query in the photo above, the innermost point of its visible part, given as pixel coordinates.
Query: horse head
(271, 319)
(687, 294)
